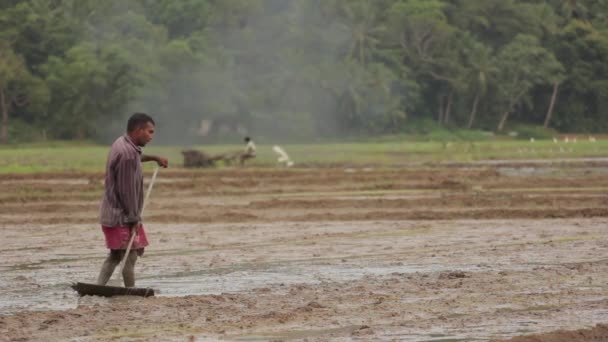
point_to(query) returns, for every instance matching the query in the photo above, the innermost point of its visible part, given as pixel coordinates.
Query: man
(120, 212)
(249, 150)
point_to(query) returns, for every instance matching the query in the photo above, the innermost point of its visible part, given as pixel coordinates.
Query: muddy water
(319, 255)
(38, 278)
(554, 263)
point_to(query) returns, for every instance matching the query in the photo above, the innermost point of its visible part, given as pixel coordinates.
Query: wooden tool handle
(134, 230)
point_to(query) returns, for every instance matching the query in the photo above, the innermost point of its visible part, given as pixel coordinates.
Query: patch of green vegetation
(575, 238)
(85, 157)
(527, 132)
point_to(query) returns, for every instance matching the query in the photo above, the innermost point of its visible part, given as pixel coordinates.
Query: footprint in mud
(217, 260)
(310, 307)
(22, 281)
(454, 275)
(51, 321)
(363, 331)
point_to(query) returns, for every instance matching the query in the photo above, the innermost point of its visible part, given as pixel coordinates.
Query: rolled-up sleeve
(126, 189)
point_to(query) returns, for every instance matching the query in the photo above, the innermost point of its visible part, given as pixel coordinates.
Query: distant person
(249, 150)
(120, 212)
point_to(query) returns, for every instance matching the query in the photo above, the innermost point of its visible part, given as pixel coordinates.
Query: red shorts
(118, 237)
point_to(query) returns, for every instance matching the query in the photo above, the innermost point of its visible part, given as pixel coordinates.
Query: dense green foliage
(72, 69)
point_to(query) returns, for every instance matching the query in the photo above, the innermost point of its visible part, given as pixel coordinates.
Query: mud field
(432, 253)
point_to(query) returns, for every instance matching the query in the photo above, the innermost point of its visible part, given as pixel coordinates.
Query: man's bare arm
(164, 162)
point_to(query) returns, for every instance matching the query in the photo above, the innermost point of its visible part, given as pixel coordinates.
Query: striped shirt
(123, 196)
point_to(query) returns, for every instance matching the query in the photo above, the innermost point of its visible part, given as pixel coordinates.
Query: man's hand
(162, 162)
(135, 228)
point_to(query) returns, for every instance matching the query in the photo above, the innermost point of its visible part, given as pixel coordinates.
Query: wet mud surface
(443, 253)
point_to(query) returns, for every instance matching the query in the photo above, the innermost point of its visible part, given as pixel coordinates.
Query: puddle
(209, 282)
(40, 294)
(47, 294)
(240, 258)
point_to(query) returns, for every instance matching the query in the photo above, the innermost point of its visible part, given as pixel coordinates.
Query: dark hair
(247, 139)
(138, 120)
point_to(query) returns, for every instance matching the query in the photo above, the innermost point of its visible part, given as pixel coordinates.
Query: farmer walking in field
(121, 206)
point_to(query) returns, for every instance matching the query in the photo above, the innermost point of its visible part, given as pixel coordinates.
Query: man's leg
(128, 273)
(108, 267)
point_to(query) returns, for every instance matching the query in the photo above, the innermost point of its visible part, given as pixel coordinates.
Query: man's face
(145, 134)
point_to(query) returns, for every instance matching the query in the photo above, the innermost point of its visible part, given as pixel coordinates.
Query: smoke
(279, 72)
(271, 75)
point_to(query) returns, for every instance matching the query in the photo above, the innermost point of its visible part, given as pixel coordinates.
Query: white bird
(531, 140)
(283, 157)
(555, 140)
(591, 139)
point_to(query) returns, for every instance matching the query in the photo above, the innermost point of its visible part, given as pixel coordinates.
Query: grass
(88, 157)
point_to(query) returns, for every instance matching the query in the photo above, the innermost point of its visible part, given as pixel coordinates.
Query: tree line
(302, 68)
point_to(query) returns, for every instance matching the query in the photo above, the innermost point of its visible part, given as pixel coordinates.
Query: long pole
(133, 231)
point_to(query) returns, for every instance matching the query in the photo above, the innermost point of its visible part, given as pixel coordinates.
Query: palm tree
(12, 68)
(481, 69)
(361, 21)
